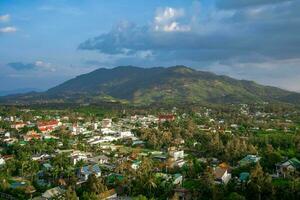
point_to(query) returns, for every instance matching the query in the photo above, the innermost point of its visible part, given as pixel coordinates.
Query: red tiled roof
(166, 117)
(48, 123)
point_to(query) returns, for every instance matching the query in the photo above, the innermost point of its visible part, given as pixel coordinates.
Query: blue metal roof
(91, 169)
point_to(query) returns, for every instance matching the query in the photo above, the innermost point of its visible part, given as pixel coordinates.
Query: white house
(106, 123)
(102, 159)
(135, 164)
(107, 131)
(56, 192)
(287, 167)
(2, 161)
(77, 156)
(221, 175)
(177, 155)
(124, 134)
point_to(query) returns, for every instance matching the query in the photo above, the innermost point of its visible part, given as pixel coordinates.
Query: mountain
(178, 84)
(18, 91)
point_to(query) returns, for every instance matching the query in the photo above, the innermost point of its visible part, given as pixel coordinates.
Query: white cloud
(8, 29)
(174, 26)
(167, 20)
(168, 14)
(250, 43)
(45, 65)
(4, 18)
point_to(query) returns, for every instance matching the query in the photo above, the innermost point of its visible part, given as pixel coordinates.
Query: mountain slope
(177, 84)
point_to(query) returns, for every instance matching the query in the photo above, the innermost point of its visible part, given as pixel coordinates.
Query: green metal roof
(295, 162)
(244, 176)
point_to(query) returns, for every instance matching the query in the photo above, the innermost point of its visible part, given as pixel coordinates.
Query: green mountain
(177, 84)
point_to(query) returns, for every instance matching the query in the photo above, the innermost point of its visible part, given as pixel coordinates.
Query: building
(18, 125)
(40, 157)
(2, 161)
(106, 123)
(163, 118)
(32, 135)
(76, 129)
(244, 177)
(78, 158)
(136, 164)
(78, 155)
(87, 170)
(177, 179)
(125, 134)
(221, 175)
(47, 126)
(102, 159)
(53, 193)
(288, 167)
(176, 154)
(176, 157)
(249, 159)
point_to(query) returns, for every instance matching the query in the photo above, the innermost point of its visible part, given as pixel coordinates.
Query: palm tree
(150, 185)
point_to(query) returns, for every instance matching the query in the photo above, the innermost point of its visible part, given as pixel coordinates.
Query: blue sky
(45, 42)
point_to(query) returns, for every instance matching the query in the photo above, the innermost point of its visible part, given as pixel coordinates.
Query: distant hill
(178, 84)
(18, 91)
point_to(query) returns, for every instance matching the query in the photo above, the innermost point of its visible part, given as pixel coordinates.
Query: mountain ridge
(176, 84)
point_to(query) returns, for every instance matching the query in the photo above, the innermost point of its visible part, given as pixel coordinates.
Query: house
(10, 140)
(108, 131)
(177, 179)
(125, 134)
(87, 170)
(136, 164)
(221, 175)
(76, 129)
(176, 154)
(7, 134)
(2, 161)
(95, 126)
(47, 126)
(244, 177)
(288, 167)
(53, 193)
(48, 137)
(163, 118)
(40, 157)
(30, 135)
(18, 125)
(176, 157)
(106, 123)
(138, 143)
(102, 159)
(249, 159)
(78, 156)
(224, 165)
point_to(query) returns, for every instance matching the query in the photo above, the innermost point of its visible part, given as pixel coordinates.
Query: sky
(46, 42)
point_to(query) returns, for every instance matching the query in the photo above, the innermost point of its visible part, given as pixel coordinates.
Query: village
(164, 155)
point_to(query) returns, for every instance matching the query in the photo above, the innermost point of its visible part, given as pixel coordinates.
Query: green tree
(95, 185)
(89, 196)
(71, 194)
(235, 196)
